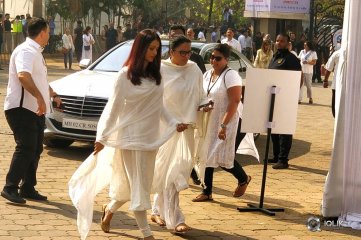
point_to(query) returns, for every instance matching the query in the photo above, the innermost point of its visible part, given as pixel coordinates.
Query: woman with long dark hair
(128, 136)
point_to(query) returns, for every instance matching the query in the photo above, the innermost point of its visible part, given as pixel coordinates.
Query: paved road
(298, 190)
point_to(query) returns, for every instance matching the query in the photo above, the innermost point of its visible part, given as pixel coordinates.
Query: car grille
(83, 106)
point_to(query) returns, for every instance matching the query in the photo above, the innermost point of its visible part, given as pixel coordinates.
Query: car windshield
(114, 61)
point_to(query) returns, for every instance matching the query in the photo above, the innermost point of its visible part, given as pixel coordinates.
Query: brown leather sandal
(158, 220)
(203, 198)
(182, 228)
(241, 188)
(104, 226)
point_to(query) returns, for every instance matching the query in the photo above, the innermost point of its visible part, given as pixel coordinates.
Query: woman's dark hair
(135, 61)
(35, 26)
(224, 49)
(86, 30)
(309, 45)
(178, 41)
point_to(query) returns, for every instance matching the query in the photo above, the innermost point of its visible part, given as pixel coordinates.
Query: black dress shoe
(273, 160)
(13, 196)
(34, 195)
(280, 165)
(194, 177)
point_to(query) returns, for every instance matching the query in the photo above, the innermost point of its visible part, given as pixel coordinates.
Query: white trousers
(139, 167)
(307, 80)
(166, 205)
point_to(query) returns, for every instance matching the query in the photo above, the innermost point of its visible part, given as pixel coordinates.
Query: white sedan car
(85, 93)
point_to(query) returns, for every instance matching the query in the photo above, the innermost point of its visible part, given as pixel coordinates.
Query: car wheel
(57, 143)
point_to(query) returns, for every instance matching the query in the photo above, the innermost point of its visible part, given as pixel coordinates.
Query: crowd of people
(163, 118)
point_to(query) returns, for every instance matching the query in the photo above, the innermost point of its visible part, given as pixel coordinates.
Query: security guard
(283, 59)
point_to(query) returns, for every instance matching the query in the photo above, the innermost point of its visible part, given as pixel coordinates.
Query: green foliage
(149, 12)
(200, 9)
(329, 8)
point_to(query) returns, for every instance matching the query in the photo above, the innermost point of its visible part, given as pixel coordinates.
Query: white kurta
(130, 123)
(183, 93)
(88, 40)
(342, 194)
(221, 153)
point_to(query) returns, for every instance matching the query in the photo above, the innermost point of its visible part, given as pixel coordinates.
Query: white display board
(257, 100)
(288, 6)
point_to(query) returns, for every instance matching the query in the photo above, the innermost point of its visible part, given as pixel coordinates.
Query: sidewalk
(298, 189)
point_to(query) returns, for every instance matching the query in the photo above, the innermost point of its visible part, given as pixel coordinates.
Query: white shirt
(201, 36)
(233, 43)
(241, 40)
(307, 56)
(27, 57)
(68, 42)
(332, 65)
(247, 42)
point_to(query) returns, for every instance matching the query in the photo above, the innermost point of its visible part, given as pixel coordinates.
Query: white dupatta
(131, 120)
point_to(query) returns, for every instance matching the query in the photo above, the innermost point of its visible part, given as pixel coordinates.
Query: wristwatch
(223, 125)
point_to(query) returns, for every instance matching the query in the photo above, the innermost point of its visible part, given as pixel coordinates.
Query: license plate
(79, 124)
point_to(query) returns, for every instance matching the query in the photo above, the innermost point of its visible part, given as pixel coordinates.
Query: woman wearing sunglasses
(183, 94)
(224, 86)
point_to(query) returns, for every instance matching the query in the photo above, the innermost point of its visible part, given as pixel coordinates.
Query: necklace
(209, 88)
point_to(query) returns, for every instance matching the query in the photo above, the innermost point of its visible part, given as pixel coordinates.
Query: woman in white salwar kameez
(183, 94)
(223, 134)
(129, 134)
(88, 41)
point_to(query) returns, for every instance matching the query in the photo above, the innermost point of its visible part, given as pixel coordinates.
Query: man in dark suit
(283, 59)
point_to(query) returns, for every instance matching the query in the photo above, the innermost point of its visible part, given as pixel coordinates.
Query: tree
(201, 12)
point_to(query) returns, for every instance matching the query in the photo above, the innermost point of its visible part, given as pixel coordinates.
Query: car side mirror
(84, 63)
(242, 69)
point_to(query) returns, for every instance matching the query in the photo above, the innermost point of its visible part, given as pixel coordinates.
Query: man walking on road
(78, 40)
(26, 102)
(283, 60)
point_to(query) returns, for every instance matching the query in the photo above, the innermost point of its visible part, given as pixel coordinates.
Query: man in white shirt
(26, 103)
(241, 39)
(201, 36)
(332, 66)
(247, 48)
(231, 41)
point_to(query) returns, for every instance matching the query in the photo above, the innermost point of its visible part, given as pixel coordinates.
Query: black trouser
(281, 146)
(317, 71)
(28, 129)
(237, 170)
(78, 52)
(333, 101)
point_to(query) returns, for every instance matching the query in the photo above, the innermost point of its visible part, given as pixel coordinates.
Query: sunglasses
(217, 58)
(183, 53)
